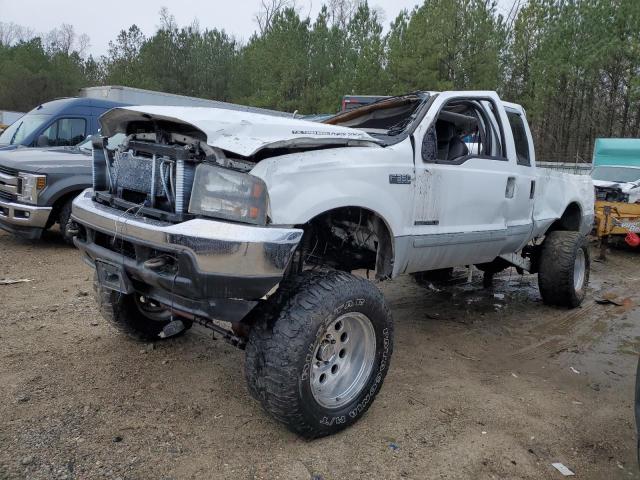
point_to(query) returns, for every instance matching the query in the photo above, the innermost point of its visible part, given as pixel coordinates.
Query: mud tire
(560, 251)
(123, 313)
(282, 345)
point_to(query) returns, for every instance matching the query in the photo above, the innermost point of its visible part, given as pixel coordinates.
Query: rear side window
(520, 138)
(65, 132)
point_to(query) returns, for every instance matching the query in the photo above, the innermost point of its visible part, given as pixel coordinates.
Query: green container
(617, 151)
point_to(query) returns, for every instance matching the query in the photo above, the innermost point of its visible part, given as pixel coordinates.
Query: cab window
(463, 129)
(520, 138)
(64, 132)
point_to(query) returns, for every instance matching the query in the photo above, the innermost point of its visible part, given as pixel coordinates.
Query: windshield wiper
(15, 134)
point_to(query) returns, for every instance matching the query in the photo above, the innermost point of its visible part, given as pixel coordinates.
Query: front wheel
(139, 318)
(64, 219)
(563, 273)
(317, 363)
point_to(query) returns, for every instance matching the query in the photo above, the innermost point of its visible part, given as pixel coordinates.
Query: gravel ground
(484, 384)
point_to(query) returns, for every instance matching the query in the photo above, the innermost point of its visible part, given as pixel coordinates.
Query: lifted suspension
(226, 334)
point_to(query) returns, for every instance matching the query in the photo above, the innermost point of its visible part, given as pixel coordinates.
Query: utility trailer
(616, 177)
(139, 96)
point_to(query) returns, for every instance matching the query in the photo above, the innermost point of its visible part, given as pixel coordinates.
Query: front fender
(304, 185)
(62, 186)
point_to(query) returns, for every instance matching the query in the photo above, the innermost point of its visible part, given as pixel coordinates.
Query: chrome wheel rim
(579, 270)
(343, 360)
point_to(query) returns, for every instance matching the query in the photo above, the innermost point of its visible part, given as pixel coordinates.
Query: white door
(520, 209)
(464, 179)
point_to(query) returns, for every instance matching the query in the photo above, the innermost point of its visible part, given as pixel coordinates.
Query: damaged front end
(175, 220)
(613, 193)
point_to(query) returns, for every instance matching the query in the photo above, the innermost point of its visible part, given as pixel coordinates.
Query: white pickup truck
(252, 226)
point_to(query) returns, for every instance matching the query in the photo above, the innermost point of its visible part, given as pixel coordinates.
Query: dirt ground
(484, 384)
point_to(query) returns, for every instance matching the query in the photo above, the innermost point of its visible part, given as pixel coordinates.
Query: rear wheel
(563, 274)
(317, 364)
(138, 317)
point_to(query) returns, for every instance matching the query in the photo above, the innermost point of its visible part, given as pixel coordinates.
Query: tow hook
(155, 263)
(172, 329)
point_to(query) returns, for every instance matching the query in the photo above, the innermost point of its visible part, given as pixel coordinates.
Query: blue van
(59, 123)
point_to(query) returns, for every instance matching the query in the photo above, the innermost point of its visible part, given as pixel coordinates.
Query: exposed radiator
(158, 176)
(137, 173)
(185, 173)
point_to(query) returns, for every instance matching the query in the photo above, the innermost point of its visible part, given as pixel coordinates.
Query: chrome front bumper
(220, 248)
(23, 215)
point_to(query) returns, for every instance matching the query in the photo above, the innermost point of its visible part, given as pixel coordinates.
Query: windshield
(616, 174)
(389, 117)
(23, 128)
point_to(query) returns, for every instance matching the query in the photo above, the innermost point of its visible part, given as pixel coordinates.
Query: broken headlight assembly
(30, 186)
(222, 193)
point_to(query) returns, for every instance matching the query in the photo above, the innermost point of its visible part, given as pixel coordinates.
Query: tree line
(573, 64)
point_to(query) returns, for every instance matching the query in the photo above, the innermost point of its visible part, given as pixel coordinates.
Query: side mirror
(43, 141)
(430, 145)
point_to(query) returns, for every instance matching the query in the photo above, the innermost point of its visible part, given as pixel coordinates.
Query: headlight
(30, 187)
(222, 193)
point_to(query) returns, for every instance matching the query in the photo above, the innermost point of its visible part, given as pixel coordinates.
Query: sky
(103, 20)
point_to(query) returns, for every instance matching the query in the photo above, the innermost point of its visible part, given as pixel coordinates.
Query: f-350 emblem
(400, 179)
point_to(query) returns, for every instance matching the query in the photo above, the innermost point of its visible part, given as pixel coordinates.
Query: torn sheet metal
(242, 133)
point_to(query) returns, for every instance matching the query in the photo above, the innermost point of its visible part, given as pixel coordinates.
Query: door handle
(511, 187)
(533, 189)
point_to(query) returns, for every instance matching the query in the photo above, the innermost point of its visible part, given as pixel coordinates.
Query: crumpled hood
(629, 188)
(625, 187)
(46, 160)
(242, 133)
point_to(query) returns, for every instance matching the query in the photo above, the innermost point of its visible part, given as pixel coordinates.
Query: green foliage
(30, 76)
(446, 44)
(573, 64)
(273, 69)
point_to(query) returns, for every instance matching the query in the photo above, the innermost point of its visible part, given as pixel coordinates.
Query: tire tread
(278, 341)
(555, 275)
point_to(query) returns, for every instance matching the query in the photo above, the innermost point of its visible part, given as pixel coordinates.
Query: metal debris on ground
(13, 282)
(612, 299)
(574, 370)
(563, 469)
(608, 299)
